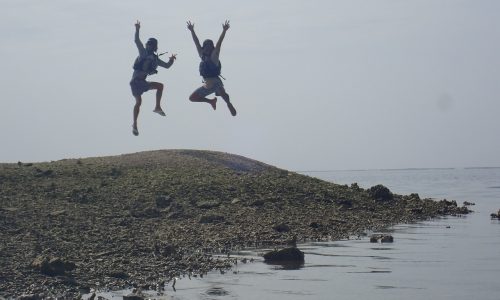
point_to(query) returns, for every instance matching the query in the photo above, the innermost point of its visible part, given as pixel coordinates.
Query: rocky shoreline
(139, 220)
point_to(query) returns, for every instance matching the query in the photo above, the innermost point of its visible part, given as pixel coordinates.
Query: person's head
(207, 47)
(152, 45)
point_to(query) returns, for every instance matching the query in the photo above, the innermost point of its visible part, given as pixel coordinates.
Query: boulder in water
(291, 254)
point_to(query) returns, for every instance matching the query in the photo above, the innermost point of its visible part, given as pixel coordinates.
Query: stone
(387, 239)
(344, 203)
(315, 225)
(282, 228)
(118, 274)
(257, 203)
(163, 201)
(383, 238)
(207, 219)
(52, 266)
(292, 254)
(380, 193)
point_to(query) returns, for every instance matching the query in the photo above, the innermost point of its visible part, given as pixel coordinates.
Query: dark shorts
(211, 85)
(139, 86)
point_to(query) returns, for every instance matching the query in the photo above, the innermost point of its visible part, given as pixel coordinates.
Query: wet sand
(139, 220)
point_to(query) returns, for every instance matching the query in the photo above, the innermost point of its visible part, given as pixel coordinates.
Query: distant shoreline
(396, 169)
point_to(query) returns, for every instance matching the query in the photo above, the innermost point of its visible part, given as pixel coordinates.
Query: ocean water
(445, 258)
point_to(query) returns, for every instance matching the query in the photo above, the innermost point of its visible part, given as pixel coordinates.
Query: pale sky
(318, 85)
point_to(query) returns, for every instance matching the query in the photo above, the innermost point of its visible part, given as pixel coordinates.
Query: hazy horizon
(318, 85)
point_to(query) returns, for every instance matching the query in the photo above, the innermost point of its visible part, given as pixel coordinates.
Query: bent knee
(194, 97)
(156, 86)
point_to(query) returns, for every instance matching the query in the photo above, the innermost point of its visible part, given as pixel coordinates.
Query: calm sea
(447, 258)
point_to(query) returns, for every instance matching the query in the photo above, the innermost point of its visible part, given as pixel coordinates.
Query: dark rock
(344, 202)
(417, 210)
(315, 225)
(257, 203)
(282, 228)
(115, 173)
(355, 186)
(164, 248)
(380, 193)
(449, 203)
(414, 196)
(69, 281)
(213, 218)
(463, 210)
(118, 274)
(383, 238)
(284, 255)
(52, 266)
(46, 173)
(163, 201)
(467, 203)
(387, 239)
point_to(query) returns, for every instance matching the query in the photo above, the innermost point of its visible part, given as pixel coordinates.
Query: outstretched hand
(225, 26)
(190, 25)
(173, 57)
(137, 25)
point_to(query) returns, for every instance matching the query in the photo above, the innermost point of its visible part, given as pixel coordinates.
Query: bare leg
(195, 97)
(222, 92)
(137, 107)
(159, 92)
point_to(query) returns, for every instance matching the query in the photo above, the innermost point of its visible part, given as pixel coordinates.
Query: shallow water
(446, 258)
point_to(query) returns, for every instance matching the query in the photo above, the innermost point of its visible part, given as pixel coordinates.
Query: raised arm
(190, 26)
(137, 39)
(225, 27)
(167, 65)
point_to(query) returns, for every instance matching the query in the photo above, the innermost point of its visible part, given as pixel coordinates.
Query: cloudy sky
(318, 85)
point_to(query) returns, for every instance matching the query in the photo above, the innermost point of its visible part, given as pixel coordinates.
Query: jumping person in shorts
(210, 68)
(144, 65)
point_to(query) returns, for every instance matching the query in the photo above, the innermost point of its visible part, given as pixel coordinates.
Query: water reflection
(217, 291)
(286, 265)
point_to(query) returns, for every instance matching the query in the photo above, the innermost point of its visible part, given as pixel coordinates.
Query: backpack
(208, 68)
(147, 63)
